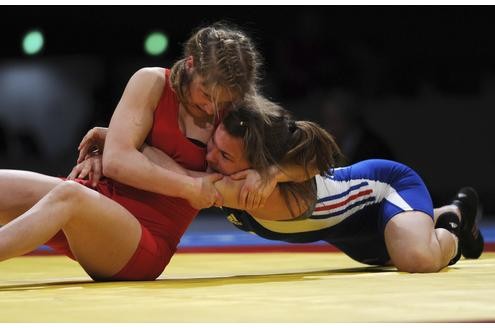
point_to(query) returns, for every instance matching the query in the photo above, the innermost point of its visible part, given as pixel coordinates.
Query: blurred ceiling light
(156, 43)
(33, 42)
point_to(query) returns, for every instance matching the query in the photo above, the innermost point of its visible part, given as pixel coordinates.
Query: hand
(255, 191)
(91, 166)
(92, 143)
(204, 193)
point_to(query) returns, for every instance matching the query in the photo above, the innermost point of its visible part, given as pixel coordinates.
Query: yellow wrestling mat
(254, 287)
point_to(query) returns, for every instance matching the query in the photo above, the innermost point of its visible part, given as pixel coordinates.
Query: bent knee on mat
(416, 261)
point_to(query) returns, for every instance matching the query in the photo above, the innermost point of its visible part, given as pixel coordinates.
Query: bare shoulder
(145, 87)
(150, 75)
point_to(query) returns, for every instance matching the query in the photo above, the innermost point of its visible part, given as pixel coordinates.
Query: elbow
(110, 166)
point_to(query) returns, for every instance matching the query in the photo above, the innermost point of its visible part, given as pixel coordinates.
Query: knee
(67, 192)
(417, 261)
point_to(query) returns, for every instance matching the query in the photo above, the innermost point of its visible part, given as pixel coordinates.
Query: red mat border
(489, 247)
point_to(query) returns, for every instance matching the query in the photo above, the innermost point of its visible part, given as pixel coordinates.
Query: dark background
(421, 79)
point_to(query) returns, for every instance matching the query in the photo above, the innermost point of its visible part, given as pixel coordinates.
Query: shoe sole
(472, 242)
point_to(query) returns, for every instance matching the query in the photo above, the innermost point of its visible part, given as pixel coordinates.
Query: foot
(470, 238)
(450, 221)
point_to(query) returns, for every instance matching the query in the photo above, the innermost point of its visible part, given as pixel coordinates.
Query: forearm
(293, 173)
(161, 159)
(133, 168)
(276, 208)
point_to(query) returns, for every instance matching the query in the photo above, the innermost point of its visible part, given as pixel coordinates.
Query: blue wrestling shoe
(470, 237)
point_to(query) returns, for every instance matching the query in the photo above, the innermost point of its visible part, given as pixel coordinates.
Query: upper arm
(133, 118)
(275, 207)
(162, 159)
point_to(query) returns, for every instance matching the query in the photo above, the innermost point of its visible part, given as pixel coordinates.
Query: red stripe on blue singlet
(344, 202)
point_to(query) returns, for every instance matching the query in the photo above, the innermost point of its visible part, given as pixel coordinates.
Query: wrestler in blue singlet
(353, 206)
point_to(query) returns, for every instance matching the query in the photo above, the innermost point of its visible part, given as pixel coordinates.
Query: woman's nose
(210, 156)
(208, 108)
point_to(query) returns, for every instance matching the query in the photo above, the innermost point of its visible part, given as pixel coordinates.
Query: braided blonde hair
(224, 57)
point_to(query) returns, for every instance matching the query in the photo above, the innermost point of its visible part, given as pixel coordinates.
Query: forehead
(229, 144)
(215, 91)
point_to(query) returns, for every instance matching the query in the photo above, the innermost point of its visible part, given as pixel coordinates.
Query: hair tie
(292, 126)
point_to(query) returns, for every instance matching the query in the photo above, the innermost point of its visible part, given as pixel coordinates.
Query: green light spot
(156, 43)
(33, 42)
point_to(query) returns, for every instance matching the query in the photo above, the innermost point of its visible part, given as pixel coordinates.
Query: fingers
(254, 200)
(83, 152)
(83, 142)
(95, 136)
(243, 195)
(96, 174)
(206, 195)
(251, 199)
(218, 176)
(263, 198)
(240, 175)
(257, 201)
(80, 171)
(214, 177)
(85, 169)
(218, 200)
(90, 168)
(263, 202)
(87, 138)
(73, 174)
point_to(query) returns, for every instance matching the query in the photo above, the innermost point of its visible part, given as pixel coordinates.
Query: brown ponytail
(311, 147)
(271, 137)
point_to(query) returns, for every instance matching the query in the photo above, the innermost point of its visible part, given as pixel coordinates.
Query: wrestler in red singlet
(163, 219)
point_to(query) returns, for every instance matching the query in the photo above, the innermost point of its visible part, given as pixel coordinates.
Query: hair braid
(224, 57)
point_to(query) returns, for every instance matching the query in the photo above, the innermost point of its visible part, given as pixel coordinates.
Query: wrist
(277, 174)
(189, 187)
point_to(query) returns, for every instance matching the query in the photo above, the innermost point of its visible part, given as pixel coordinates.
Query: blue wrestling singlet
(353, 206)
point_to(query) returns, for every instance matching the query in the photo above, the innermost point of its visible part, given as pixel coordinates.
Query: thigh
(361, 238)
(20, 190)
(368, 249)
(149, 259)
(102, 234)
(407, 221)
(408, 233)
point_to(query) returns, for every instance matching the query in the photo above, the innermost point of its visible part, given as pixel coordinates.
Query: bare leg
(20, 190)
(415, 245)
(102, 234)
